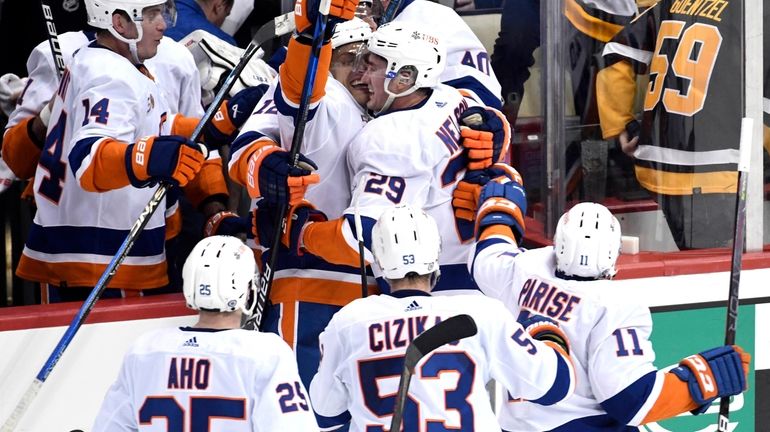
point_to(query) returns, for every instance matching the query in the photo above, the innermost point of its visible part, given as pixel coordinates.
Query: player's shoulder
(173, 53)
(478, 306)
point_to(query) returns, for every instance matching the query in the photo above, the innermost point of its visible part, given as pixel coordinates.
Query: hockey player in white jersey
(364, 344)
(410, 153)
(212, 376)
(97, 116)
(618, 387)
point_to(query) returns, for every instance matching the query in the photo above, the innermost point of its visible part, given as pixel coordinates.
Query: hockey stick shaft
(390, 11)
(733, 300)
(452, 329)
(266, 281)
(279, 26)
(53, 38)
(360, 237)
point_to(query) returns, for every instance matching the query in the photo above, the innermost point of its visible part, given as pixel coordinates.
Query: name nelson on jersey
(711, 9)
(547, 299)
(449, 134)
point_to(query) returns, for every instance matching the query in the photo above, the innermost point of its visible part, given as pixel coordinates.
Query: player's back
(232, 380)
(467, 64)
(609, 344)
(365, 342)
(416, 157)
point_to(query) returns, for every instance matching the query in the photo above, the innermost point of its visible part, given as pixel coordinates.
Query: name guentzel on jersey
(711, 9)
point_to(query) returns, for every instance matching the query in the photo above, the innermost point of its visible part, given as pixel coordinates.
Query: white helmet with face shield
(413, 57)
(354, 30)
(100, 16)
(219, 275)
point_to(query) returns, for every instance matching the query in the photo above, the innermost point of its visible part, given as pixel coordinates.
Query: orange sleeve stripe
(615, 91)
(184, 126)
(294, 68)
(173, 224)
(107, 170)
(325, 239)
(674, 399)
(209, 181)
(311, 290)
(498, 230)
(19, 151)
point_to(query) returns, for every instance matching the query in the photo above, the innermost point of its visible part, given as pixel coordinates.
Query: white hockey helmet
(219, 275)
(100, 13)
(587, 242)
(354, 30)
(406, 240)
(407, 48)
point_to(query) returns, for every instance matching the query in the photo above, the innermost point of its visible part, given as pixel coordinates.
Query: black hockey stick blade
(455, 328)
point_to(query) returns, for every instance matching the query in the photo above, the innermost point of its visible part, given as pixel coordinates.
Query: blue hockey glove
(232, 114)
(486, 135)
(544, 329)
(502, 204)
(291, 236)
(227, 223)
(715, 373)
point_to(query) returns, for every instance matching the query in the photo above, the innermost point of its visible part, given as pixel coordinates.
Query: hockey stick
(53, 38)
(735, 270)
(279, 26)
(390, 11)
(266, 281)
(455, 328)
(360, 237)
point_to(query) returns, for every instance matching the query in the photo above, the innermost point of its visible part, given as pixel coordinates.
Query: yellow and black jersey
(600, 19)
(693, 103)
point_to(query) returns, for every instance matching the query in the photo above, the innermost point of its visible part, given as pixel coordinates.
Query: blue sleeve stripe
(245, 139)
(79, 152)
(286, 108)
(93, 240)
(367, 224)
(469, 83)
(331, 423)
(627, 403)
(561, 384)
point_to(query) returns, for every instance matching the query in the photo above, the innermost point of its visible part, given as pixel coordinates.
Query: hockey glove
(306, 11)
(465, 198)
(486, 135)
(168, 158)
(502, 204)
(718, 372)
(272, 176)
(298, 217)
(544, 329)
(232, 114)
(227, 223)
(11, 87)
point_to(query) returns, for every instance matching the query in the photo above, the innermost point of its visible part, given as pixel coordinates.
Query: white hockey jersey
(182, 379)
(173, 68)
(363, 354)
(75, 233)
(467, 65)
(617, 383)
(419, 165)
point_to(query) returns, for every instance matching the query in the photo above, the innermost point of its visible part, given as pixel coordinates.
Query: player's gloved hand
(465, 198)
(167, 158)
(227, 223)
(544, 329)
(502, 204)
(232, 114)
(11, 87)
(486, 135)
(715, 373)
(297, 219)
(306, 12)
(272, 176)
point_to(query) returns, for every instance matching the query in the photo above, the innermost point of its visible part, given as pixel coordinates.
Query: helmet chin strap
(131, 42)
(392, 96)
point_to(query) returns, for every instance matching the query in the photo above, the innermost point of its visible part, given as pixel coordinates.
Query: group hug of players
(403, 150)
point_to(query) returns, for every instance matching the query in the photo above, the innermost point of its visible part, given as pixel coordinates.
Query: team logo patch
(192, 342)
(441, 104)
(150, 103)
(413, 306)
(70, 5)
